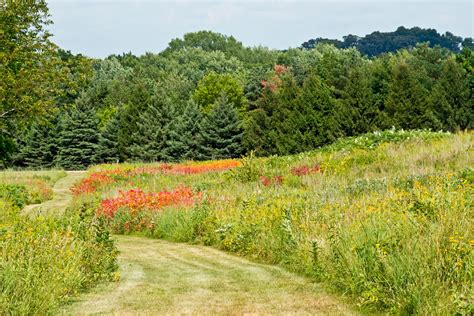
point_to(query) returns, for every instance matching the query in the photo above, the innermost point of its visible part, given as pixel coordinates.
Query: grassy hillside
(385, 217)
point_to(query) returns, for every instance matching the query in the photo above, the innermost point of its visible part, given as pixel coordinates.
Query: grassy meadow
(385, 218)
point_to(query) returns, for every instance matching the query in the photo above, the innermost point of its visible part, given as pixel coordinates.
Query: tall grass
(388, 219)
(44, 261)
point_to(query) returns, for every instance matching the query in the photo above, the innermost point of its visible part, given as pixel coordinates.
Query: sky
(103, 27)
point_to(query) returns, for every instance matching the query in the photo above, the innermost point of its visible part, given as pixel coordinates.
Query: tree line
(377, 43)
(206, 96)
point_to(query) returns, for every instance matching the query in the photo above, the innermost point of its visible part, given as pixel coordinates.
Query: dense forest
(378, 43)
(206, 96)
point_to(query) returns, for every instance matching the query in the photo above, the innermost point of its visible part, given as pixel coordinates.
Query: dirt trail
(159, 277)
(61, 199)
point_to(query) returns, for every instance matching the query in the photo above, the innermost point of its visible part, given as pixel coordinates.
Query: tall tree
(213, 85)
(78, 139)
(450, 99)
(40, 148)
(222, 132)
(185, 137)
(152, 131)
(407, 101)
(359, 103)
(29, 67)
(108, 150)
(318, 116)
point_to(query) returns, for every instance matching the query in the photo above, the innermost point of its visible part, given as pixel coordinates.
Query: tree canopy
(207, 96)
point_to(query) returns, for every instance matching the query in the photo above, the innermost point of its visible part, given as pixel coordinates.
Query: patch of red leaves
(137, 200)
(305, 170)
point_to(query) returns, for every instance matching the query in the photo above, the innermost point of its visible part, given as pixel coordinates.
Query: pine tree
(359, 104)
(407, 102)
(222, 132)
(40, 146)
(185, 135)
(269, 129)
(151, 132)
(318, 114)
(78, 139)
(255, 137)
(108, 150)
(450, 99)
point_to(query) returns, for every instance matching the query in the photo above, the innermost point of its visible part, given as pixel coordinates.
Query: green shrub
(17, 194)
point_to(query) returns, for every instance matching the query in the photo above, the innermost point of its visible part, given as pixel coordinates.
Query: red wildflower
(305, 170)
(280, 69)
(137, 200)
(276, 180)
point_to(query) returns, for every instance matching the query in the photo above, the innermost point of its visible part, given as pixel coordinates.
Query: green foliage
(222, 132)
(78, 139)
(151, 132)
(287, 101)
(40, 148)
(15, 194)
(318, 116)
(248, 171)
(207, 41)
(212, 86)
(28, 63)
(108, 147)
(185, 136)
(378, 43)
(407, 102)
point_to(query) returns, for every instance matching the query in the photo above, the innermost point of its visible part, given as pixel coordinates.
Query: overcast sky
(99, 28)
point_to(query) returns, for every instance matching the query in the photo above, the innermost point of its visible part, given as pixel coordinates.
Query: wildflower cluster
(219, 165)
(137, 200)
(101, 178)
(92, 182)
(276, 180)
(305, 170)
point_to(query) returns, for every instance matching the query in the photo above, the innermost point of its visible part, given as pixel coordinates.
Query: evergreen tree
(450, 99)
(40, 148)
(407, 102)
(269, 129)
(318, 116)
(222, 132)
(108, 150)
(361, 110)
(185, 135)
(78, 139)
(151, 131)
(255, 137)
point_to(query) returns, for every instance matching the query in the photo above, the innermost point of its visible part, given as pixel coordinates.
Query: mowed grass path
(160, 277)
(61, 198)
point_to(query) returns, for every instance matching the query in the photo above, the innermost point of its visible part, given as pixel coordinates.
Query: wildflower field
(385, 218)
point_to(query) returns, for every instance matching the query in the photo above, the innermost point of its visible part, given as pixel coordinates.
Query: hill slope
(386, 216)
